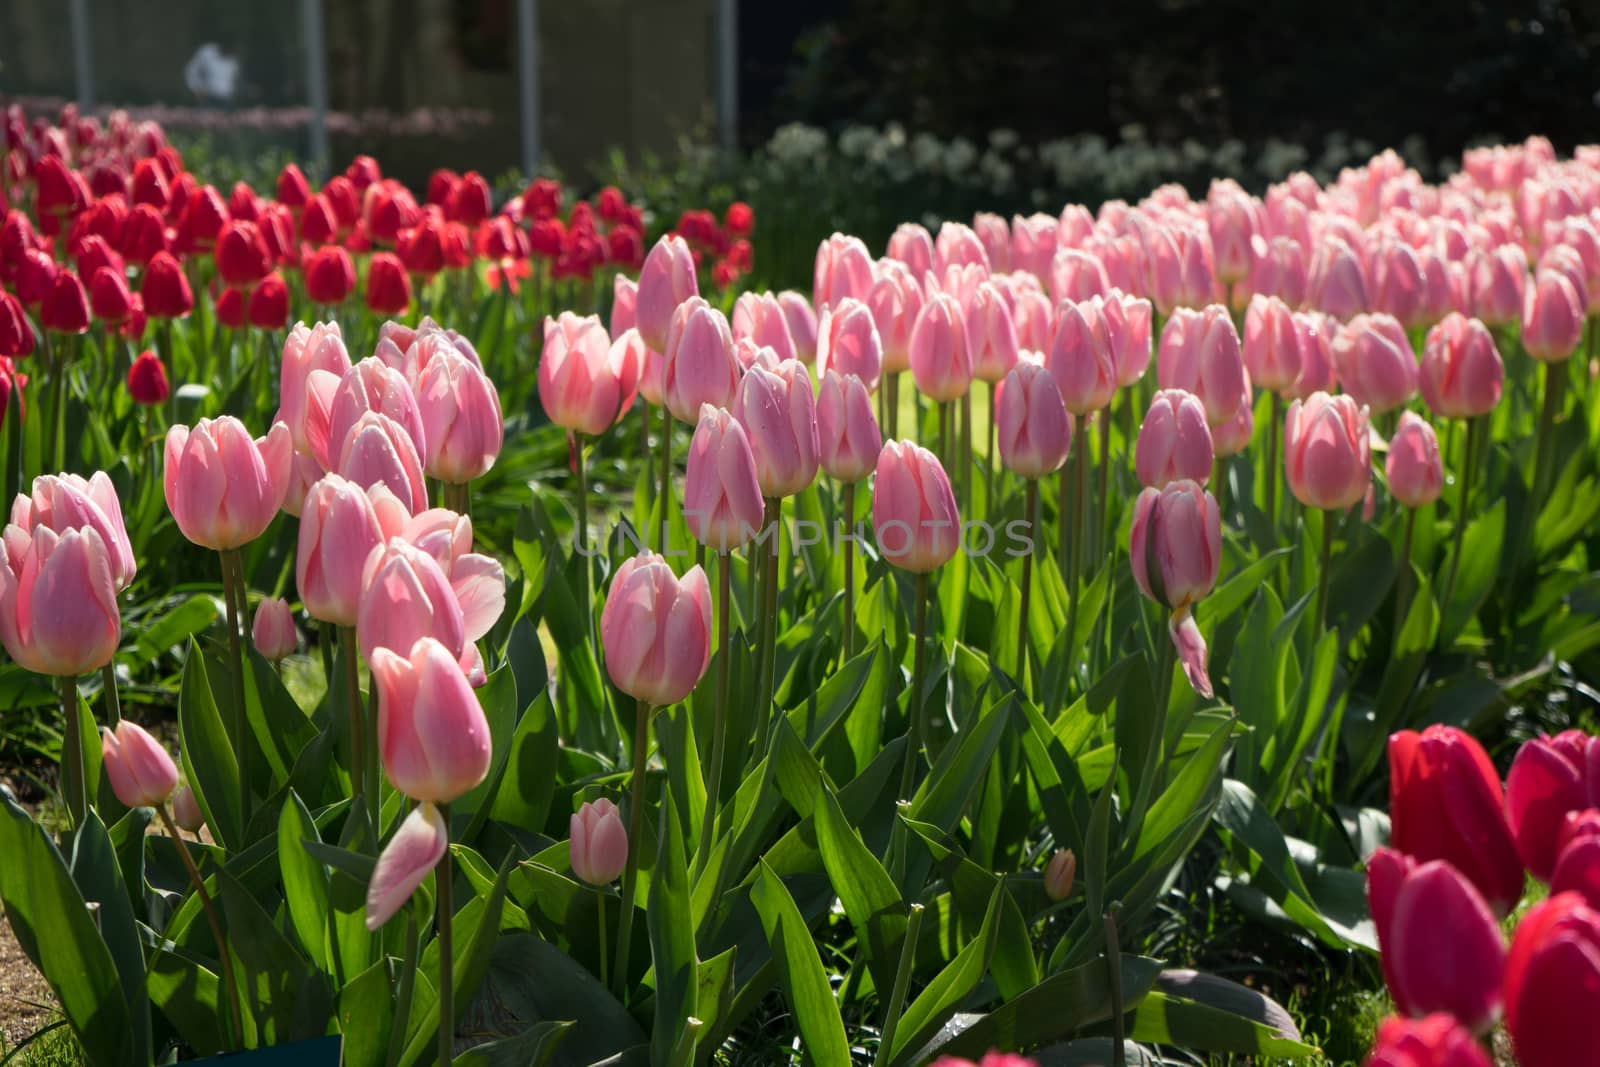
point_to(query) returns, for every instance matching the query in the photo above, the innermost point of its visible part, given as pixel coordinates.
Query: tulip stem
(74, 774)
(1030, 508)
(902, 984)
(1329, 519)
(1402, 597)
(581, 535)
(108, 674)
(409, 965)
(600, 914)
(944, 435)
(630, 870)
(988, 451)
(447, 1024)
(769, 630)
(232, 572)
(1468, 464)
(58, 421)
(914, 705)
(1104, 532)
(235, 1036)
(966, 449)
(719, 721)
(1074, 547)
(892, 381)
(664, 486)
(849, 570)
(1270, 480)
(351, 661)
(1555, 381)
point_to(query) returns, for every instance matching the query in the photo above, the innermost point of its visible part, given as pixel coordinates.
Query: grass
(52, 1046)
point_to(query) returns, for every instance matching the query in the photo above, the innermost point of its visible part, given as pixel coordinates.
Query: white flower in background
(212, 74)
(1003, 139)
(961, 155)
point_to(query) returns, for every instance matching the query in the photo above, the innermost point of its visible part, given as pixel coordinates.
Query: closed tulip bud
(406, 596)
(109, 297)
(1175, 550)
(1315, 333)
(147, 380)
(186, 810)
(1058, 874)
(667, 279)
(1127, 325)
(895, 302)
(1547, 780)
(848, 342)
(1461, 372)
(698, 363)
(370, 385)
(1375, 363)
(1077, 275)
(761, 318)
(995, 237)
(912, 245)
(958, 245)
(405, 862)
(222, 487)
(1181, 270)
(843, 268)
(1200, 354)
(268, 308)
(330, 275)
(1436, 1041)
(1552, 974)
(656, 629)
(1033, 244)
(1441, 947)
(69, 502)
(848, 437)
(598, 845)
(339, 528)
(165, 288)
(273, 628)
(1413, 467)
(1326, 451)
(141, 773)
(1034, 432)
(314, 363)
(16, 334)
(1578, 857)
(721, 494)
(1035, 321)
(1445, 803)
(242, 257)
(58, 600)
(1496, 280)
(1174, 441)
(1234, 217)
(1552, 318)
(388, 285)
(802, 321)
(1338, 282)
(1279, 269)
(777, 408)
(1271, 343)
(461, 417)
(991, 333)
(940, 362)
(432, 733)
(292, 188)
(583, 378)
(913, 509)
(66, 308)
(1399, 287)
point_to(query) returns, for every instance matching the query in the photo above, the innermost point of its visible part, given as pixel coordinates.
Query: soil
(26, 1002)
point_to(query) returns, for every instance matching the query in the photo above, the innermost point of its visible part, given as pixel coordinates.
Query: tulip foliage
(573, 667)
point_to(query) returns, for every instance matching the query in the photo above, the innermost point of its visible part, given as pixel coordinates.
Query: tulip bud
(186, 810)
(431, 729)
(761, 318)
(912, 245)
(388, 285)
(268, 308)
(222, 487)
(16, 334)
(913, 509)
(1033, 244)
(1437, 1041)
(848, 437)
(1080, 357)
(1326, 451)
(1415, 472)
(991, 333)
(1578, 858)
(1375, 362)
(848, 342)
(147, 380)
(598, 846)
(1271, 344)
(1461, 372)
(66, 308)
(940, 362)
(666, 281)
(1031, 423)
(802, 323)
(895, 301)
(461, 417)
(721, 495)
(1552, 318)
(242, 257)
(1496, 280)
(1279, 270)
(1174, 441)
(141, 773)
(1058, 874)
(1200, 354)
(330, 276)
(1174, 550)
(698, 364)
(1551, 975)
(1233, 217)
(273, 628)
(656, 629)
(408, 859)
(843, 268)
(1547, 780)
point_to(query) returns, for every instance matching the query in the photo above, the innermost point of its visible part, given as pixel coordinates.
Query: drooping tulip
(1175, 550)
(913, 509)
(722, 496)
(1326, 451)
(58, 601)
(1461, 372)
(1552, 980)
(1031, 423)
(461, 415)
(222, 486)
(272, 629)
(777, 408)
(848, 342)
(598, 842)
(1375, 363)
(1174, 441)
(656, 629)
(1413, 466)
(848, 436)
(409, 857)
(667, 279)
(141, 773)
(698, 363)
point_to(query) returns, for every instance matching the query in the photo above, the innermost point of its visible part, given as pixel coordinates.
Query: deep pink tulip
(58, 600)
(1337, 283)
(721, 495)
(1441, 947)
(667, 279)
(699, 365)
(843, 268)
(777, 408)
(761, 318)
(1031, 423)
(848, 437)
(405, 862)
(1080, 357)
(1578, 856)
(958, 246)
(1271, 343)
(1174, 441)
(598, 842)
(272, 629)
(1413, 466)
(1200, 354)
(1175, 550)
(1461, 373)
(1445, 803)
(1326, 451)
(432, 733)
(1552, 317)
(1548, 779)
(339, 528)
(141, 772)
(1552, 982)
(940, 362)
(913, 509)
(1437, 1041)
(991, 333)
(305, 396)
(65, 502)
(585, 381)
(461, 416)
(656, 629)
(895, 301)
(1375, 363)
(848, 342)
(378, 451)
(912, 245)
(802, 324)
(1496, 281)
(222, 486)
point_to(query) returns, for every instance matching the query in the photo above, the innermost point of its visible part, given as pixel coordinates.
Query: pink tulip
(67, 502)
(656, 629)
(186, 810)
(1233, 436)
(405, 862)
(338, 531)
(142, 774)
(843, 268)
(761, 318)
(958, 280)
(895, 301)
(1279, 269)
(699, 366)
(848, 438)
(912, 245)
(1314, 332)
(721, 494)
(913, 509)
(479, 581)
(1031, 422)
(598, 845)
(991, 333)
(371, 385)
(1399, 287)
(1582, 235)
(431, 342)
(802, 324)
(667, 279)
(1033, 244)
(1271, 343)
(405, 597)
(1234, 218)
(1077, 275)
(1127, 323)
(940, 362)
(1035, 320)
(958, 246)
(222, 487)
(1552, 317)
(1200, 354)
(777, 408)
(304, 471)
(1174, 441)
(320, 348)
(1080, 357)
(1058, 874)
(1415, 472)
(273, 628)
(432, 733)
(378, 451)
(1326, 457)
(1181, 269)
(585, 381)
(848, 342)
(1547, 781)
(1441, 947)
(995, 236)
(624, 304)
(1375, 363)
(461, 416)
(1338, 280)
(1175, 550)
(1461, 372)
(1496, 280)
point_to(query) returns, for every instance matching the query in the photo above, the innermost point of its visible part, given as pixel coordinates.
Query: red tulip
(1437, 1041)
(330, 275)
(147, 380)
(388, 286)
(1553, 984)
(1547, 780)
(66, 309)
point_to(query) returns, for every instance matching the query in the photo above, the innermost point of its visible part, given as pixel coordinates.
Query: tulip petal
(1191, 652)
(413, 851)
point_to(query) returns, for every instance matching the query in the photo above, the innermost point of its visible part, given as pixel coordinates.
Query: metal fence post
(316, 83)
(81, 58)
(528, 81)
(728, 74)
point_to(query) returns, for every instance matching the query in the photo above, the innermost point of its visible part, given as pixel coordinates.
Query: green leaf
(283, 996)
(532, 1048)
(476, 928)
(366, 1013)
(189, 619)
(948, 788)
(671, 927)
(95, 869)
(800, 971)
(942, 996)
(208, 761)
(1231, 595)
(498, 698)
(871, 900)
(1256, 678)
(529, 783)
(54, 928)
(305, 882)
(1162, 1018)
(1481, 549)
